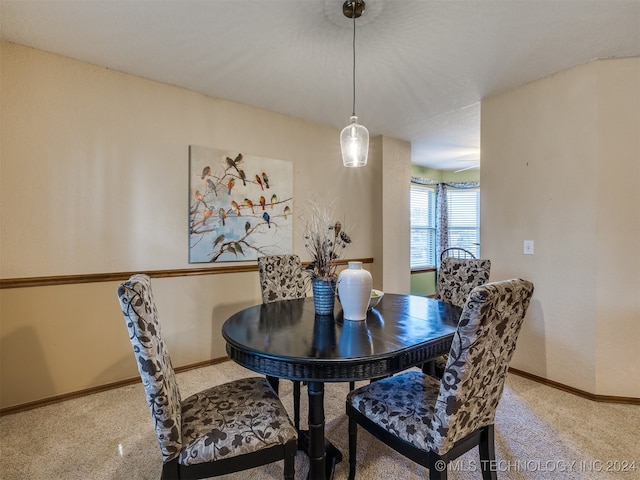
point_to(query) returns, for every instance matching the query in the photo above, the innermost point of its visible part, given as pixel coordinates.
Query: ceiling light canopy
(354, 138)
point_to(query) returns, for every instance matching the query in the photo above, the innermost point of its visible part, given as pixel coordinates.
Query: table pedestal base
(332, 455)
(322, 455)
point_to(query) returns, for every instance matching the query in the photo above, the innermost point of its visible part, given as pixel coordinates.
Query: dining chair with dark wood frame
(223, 429)
(282, 278)
(432, 421)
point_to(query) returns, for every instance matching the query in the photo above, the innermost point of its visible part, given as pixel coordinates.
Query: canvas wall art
(240, 206)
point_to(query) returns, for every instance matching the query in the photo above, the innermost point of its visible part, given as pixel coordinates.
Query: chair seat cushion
(233, 419)
(402, 404)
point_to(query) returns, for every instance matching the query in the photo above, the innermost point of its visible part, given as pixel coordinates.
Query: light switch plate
(528, 247)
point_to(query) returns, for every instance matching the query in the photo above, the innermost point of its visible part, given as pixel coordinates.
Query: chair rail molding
(119, 276)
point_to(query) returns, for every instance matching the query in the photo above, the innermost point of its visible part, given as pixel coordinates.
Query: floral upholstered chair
(223, 429)
(433, 422)
(282, 278)
(456, 278)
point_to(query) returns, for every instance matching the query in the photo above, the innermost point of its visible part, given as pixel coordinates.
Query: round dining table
(287, 340)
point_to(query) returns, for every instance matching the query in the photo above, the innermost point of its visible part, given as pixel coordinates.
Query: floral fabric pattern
(434, 415)
(154, 364)
(281, 278)
(233, 419)
(223, 421)
(458, 276)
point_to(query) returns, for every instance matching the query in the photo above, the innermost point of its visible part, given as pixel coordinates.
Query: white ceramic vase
(354, 289)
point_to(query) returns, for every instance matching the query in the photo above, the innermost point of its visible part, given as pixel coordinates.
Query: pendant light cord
(354, 57)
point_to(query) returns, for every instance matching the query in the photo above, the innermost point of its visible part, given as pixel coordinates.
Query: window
(423, 226)
(464, 219)
(463, 226)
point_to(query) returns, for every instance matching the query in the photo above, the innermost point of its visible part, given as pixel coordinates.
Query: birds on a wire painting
(235, 216)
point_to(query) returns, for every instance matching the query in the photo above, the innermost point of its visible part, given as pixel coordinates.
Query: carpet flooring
(541, 433)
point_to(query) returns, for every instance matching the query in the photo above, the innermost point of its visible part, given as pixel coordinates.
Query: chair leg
(290, 460)
(353, 447)
(274, 382)
(488, 454)
(170, 470)
(437, 474)
(429, 368)
(296, 404)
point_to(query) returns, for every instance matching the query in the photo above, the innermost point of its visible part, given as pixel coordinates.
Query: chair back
(281, 278)
(456, 252)
(482, 348)
(458, 276)
(154, 363)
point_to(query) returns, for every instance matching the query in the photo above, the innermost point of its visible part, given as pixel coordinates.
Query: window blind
(464, 219)
(423, 226)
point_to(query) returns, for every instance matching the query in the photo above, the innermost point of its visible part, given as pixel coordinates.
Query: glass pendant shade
(354, 143)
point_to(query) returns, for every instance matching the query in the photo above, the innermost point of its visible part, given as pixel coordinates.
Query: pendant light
(354, 138)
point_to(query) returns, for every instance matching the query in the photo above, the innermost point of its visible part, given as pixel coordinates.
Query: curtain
(442, 221)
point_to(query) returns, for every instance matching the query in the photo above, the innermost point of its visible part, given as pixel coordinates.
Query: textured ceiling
(422, 65)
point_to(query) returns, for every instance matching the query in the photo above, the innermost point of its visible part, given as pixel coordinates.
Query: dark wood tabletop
(286, 339)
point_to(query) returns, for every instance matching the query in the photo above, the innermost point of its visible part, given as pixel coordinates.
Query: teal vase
(324, 296)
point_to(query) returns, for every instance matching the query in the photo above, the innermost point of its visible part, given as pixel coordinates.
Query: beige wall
(395, 216)
(445, 175)
(62, 339)
(94, 179)
(561, 166)
(95, 166)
